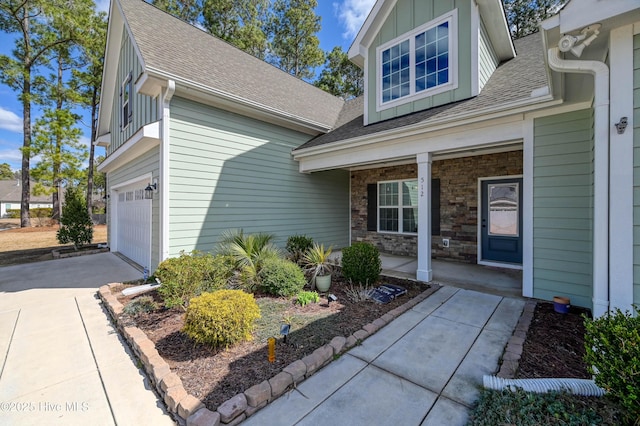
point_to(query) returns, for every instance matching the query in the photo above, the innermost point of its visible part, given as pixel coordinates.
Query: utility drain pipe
(600, 71)
(582, 387)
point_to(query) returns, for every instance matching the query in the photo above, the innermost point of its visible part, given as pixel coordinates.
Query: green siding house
(466, 146)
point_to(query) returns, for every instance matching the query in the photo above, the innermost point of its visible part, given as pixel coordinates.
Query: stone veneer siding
(458, 203)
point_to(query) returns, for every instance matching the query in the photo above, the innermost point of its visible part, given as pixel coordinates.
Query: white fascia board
(370, 28)
(103, 140)
(446, 124)
(209, 95)
(497, 28)
(142, 141)
(149, 86)
(479, 135)
(579, 14)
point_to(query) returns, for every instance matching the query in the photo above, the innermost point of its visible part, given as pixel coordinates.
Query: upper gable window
(125, 101)
(418, 64)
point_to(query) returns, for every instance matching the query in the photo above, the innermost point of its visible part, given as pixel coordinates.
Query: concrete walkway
(424, 368)
(61, 361)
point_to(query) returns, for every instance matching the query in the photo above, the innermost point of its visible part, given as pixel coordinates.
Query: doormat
(386, 293)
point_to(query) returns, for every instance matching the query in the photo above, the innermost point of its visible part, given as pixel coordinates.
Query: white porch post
(621, 172)
(424, 272)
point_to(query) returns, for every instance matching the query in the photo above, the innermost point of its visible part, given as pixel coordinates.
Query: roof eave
(376, 18)
(497, 28)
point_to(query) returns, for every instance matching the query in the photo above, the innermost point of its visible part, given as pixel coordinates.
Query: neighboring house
(466, 146)
(11, 197)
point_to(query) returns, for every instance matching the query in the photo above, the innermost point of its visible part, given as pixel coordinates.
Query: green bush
(190, 275)
(41, 212)
(75, 224)
(522, 408)
(139, 305)
(612, 344)
(297, 245)
(306, 297)
(13, 214)
(221, 318)
(361, 263)
(281, 277)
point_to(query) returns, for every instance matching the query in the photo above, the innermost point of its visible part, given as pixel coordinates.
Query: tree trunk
(92, 150)
(57, 156)
(25, 220)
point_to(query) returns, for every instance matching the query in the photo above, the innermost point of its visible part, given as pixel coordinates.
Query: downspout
(600, 71)
(164, 169)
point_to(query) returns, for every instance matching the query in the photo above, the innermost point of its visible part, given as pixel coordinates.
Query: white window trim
(452, 17)
(125, 117)
(399, 207)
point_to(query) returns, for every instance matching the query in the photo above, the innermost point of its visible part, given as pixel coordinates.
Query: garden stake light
(272, 349)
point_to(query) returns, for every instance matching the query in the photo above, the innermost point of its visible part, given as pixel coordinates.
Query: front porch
(486, 279)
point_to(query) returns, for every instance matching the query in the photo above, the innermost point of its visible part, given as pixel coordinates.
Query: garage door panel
(134, 224)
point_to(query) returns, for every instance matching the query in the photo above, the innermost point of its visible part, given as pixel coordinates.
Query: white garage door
(133, 223)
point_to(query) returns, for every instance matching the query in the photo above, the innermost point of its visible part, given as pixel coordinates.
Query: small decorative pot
(323, 282)
(561, 304)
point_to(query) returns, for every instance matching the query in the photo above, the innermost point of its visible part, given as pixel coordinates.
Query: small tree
(75, 224)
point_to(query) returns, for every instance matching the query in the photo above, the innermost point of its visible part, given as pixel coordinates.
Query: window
(398, 206)
(125, 101)
(418, 64)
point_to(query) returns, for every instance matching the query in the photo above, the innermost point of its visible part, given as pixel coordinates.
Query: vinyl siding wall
(487, 59)
(145, 108)
(405, 16)
(563, 207)
(229, 172)
(141, 166)
(636, 169)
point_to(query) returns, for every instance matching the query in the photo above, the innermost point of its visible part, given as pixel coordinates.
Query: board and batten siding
(636, 169)
(145, 108)
(404, 17)
(228, 171)
(563, 207)
(487, 59)
(147, 163)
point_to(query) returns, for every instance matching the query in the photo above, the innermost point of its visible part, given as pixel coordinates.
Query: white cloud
(10, 121)
(11, 155)
(352, 14)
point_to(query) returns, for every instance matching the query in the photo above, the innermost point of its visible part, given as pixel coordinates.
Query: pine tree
(5, 171)
(524, 16)
(340, 76)
(75, 224)
(295, 45)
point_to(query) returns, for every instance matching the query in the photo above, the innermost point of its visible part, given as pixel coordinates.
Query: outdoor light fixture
(568, 42)
(622, 125)
(284, 331)
(331, 298)
(150, 189)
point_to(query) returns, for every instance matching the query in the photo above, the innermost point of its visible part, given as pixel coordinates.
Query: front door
(501, 223)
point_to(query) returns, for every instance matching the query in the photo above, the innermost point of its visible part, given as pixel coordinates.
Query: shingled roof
(11, 192)
(512, 81)
(180, 51)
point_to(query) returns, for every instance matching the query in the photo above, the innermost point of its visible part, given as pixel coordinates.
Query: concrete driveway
(61, 361)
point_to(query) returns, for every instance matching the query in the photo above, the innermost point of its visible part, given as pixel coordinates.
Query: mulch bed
(214, 376)
(554, 345)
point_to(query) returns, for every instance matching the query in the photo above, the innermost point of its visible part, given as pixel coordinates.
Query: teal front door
(501, 223)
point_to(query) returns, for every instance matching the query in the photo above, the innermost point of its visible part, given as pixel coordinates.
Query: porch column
(424, 272)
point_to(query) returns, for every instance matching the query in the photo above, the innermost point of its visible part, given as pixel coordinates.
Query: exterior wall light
(150, 189)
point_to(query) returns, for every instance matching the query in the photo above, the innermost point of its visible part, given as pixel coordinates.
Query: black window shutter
(121, 114)
(130, 84)
(435, 206)
(372, 207)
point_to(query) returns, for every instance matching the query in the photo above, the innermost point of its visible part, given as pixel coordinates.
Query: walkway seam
(95, 361)
(13, 332)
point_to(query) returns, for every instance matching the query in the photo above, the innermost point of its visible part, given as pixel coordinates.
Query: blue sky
(341, 20)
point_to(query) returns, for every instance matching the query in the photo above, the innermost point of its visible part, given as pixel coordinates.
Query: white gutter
(600, 71)
(164, 169)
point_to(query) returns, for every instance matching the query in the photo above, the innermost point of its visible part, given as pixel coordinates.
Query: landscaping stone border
(58, 254)
(191, 410)
(513, 350)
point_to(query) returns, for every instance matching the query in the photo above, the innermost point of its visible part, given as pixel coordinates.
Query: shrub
(281, 277)
(190, 275)
(140, 305)
(13, 214)
(297, 245)
(249, 253)
(361, 263)
(612, 344)
(221, 318)
(40, 212)
(306, 297)
(75, 224)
